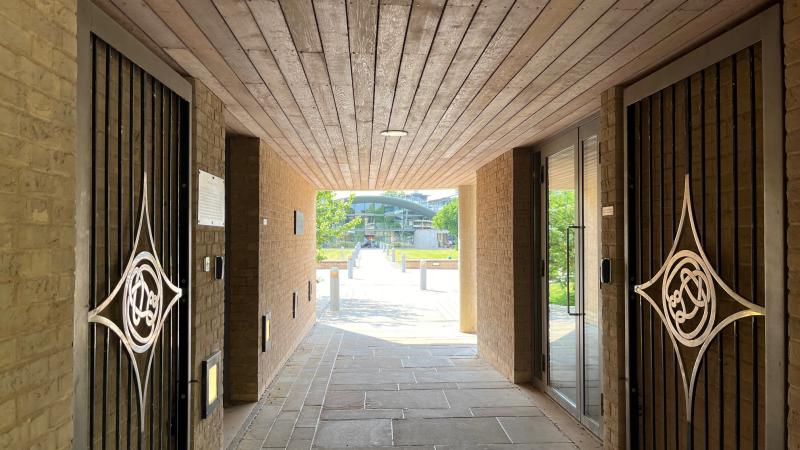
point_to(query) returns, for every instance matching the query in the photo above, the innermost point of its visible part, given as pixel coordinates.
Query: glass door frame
(575, 138)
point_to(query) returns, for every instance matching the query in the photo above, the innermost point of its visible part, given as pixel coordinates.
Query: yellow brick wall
(243, 321)
(287, 262)
(268, 263)
(38, 75)
(505, 263)
(612, 166)
(208, 295)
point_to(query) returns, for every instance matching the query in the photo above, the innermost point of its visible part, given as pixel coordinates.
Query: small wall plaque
(298, 223)
(608, 211)
(210, 200)
(212, 383)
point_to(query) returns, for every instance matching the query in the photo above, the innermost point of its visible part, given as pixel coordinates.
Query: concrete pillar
(350, 268)
(467, 268)
(423, 275)
(394, 255)
(403, 263)
(334, 306)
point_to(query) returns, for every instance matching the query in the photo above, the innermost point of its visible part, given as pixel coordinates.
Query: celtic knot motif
(689, 306)
(147, 296)
(688, 290)
(142, 301)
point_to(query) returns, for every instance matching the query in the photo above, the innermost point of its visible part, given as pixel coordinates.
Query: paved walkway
(392, 370)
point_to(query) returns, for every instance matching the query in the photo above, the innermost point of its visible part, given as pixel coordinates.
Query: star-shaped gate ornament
(691, 297)
(139, 305)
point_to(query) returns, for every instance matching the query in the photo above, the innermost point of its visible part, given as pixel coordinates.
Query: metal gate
(139, 251)
(698, 292)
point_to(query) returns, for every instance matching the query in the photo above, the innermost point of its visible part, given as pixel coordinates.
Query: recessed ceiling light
(394, 133)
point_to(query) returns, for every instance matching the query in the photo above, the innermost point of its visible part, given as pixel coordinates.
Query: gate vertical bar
(106, 239)
(735, 179)
(120, 250)
(93, 269)
(754, 240)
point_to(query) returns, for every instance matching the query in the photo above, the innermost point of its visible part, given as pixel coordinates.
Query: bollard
(403, 263)
(423, 275)
(350, 269)
(394, 255)
(334, 306)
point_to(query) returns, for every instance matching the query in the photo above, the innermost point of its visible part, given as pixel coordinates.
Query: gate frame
(765, 27)
(91, 20)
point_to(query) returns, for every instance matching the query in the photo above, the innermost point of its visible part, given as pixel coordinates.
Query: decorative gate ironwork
(139, 306)
(696, 234)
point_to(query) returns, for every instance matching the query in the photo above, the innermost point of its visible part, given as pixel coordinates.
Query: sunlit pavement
(391, 370)
(384, 302)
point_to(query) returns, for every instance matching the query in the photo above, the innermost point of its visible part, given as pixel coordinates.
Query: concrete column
(467, 268)
(334, 290)
(423, 275)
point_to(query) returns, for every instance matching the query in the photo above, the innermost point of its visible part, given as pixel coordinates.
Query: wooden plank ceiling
(468, 79)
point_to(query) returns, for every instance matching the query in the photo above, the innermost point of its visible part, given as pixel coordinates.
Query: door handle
(568, 230)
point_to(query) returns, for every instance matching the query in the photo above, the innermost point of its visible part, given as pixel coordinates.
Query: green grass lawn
(442, 253)
(336, 254)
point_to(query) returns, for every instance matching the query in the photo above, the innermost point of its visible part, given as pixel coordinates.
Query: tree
(560, 216)
(447, 218)
(332, 220)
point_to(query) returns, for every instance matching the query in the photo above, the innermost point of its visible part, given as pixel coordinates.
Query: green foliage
(332, 220)
(447, 218)
(561, 214)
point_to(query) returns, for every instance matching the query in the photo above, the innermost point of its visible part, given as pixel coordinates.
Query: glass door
(571, 287)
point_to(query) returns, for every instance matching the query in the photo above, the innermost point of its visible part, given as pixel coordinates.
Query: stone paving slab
(344, 400)
(406, 399)
(538, 430)
(350, 433)
(358, 414)
(507, 447)
(473, 430)
(468, 398)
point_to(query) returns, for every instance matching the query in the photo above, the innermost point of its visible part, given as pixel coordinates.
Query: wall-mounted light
(212, 383)
(394, 133)
(265, 330)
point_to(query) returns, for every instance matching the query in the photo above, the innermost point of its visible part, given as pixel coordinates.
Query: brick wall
(287, 262)
(612, 166)
(791, 39)
(504, 263)
(268, 264)
(467, 270)
(38, 75)
(208, 154)
(243, 345)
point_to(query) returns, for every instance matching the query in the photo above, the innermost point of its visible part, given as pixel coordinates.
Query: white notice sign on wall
(210, 200)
